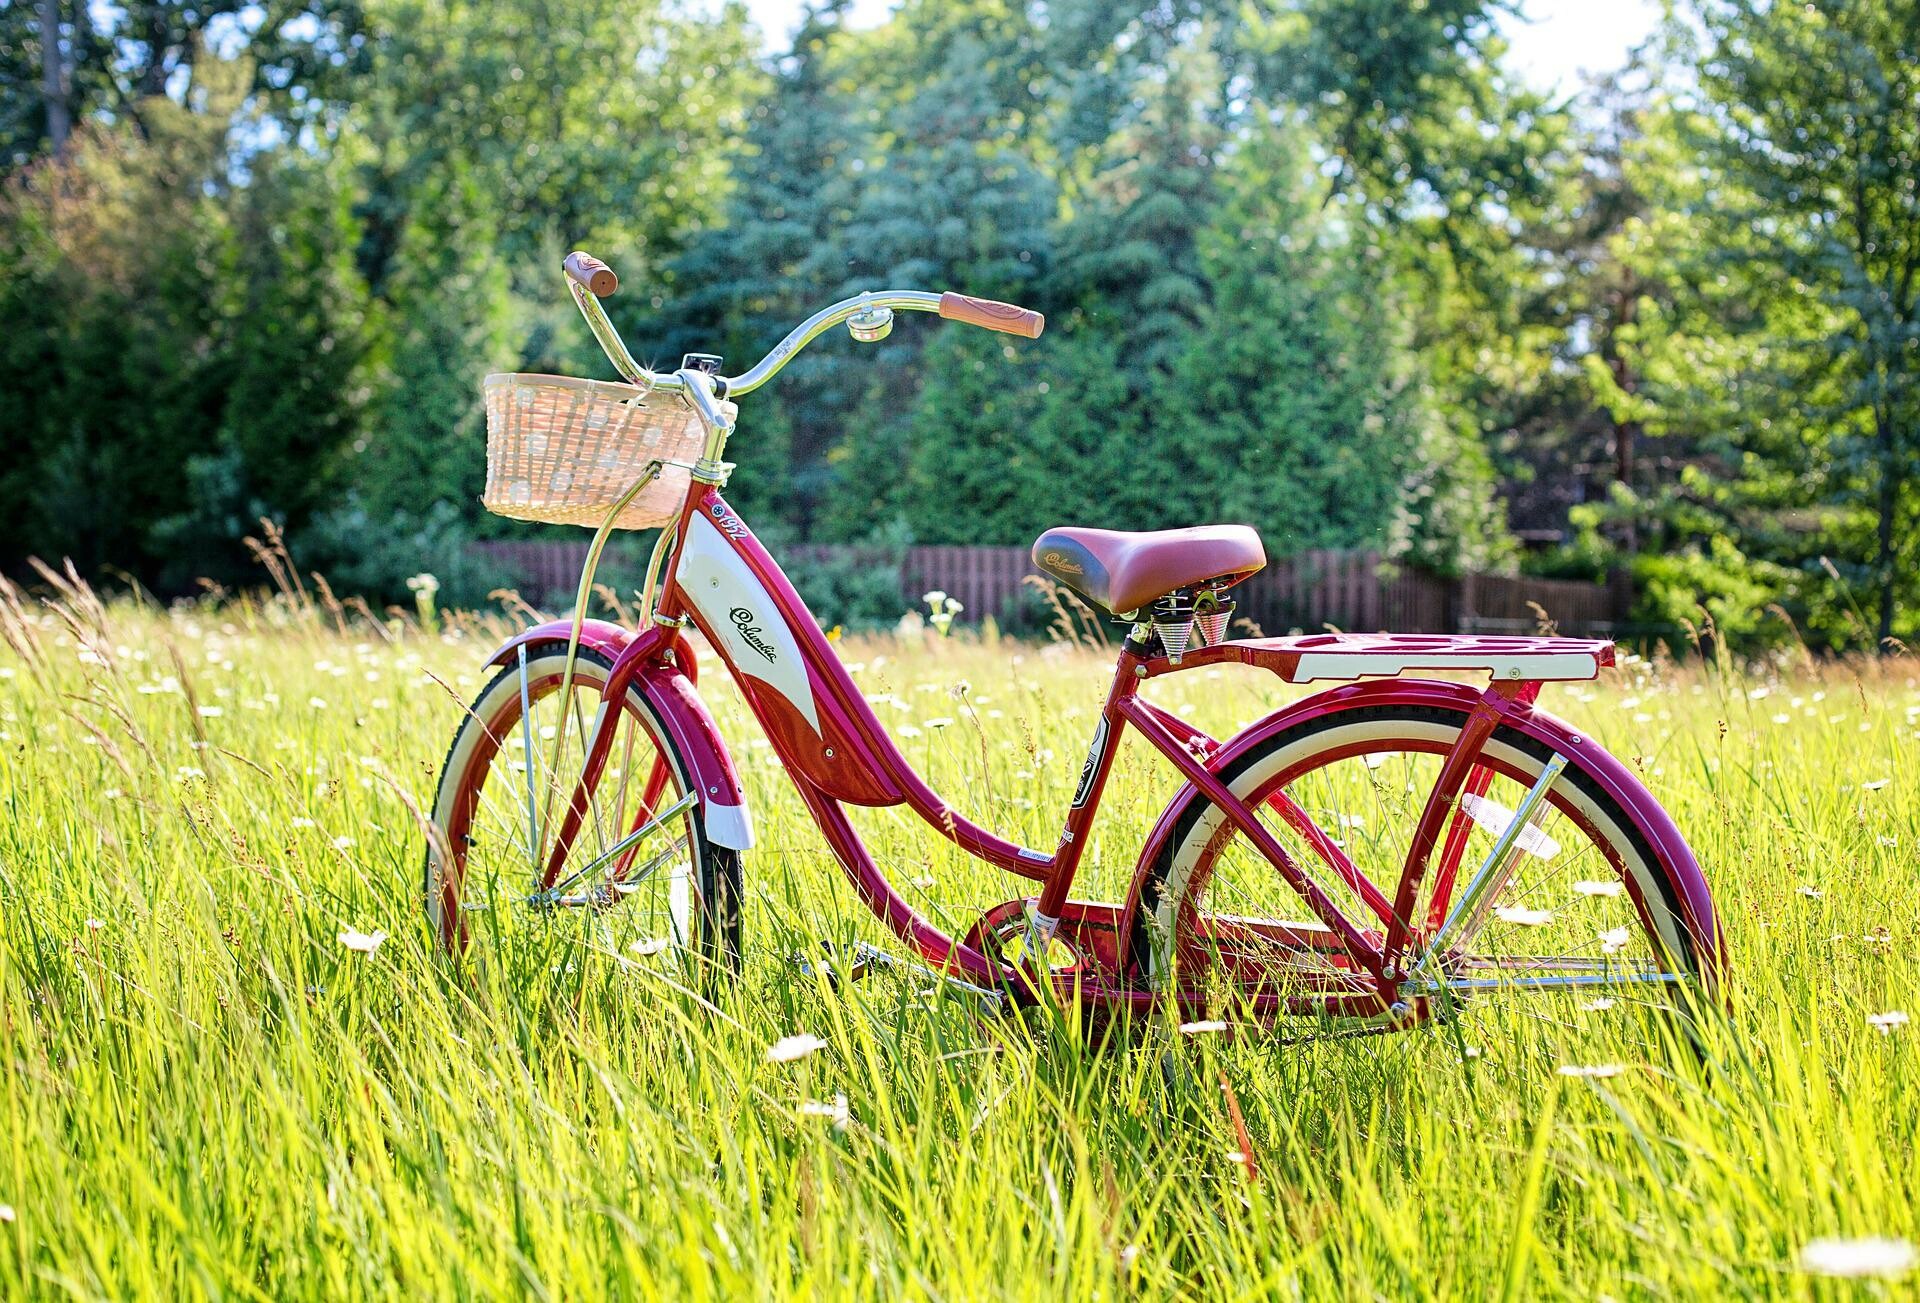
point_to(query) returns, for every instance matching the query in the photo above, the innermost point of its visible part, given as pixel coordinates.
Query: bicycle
(1446, 842)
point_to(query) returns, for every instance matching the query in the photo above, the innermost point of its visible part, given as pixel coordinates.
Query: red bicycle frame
(718, 578)
(715, 576)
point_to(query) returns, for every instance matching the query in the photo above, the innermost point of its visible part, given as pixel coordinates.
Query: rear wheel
(641, 867)
(1573, 913)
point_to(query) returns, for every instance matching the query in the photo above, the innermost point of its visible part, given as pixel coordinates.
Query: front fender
(604, 636)
(669, 688)
(1669, 847)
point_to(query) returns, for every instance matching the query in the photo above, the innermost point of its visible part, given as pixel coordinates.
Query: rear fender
(1669, 847)
(669, 690)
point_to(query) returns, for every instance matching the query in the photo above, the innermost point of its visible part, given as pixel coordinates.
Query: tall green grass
(206, 1092)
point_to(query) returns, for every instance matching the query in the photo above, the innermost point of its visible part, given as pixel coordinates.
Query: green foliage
(1325, 266)
(1711, 587)
(855, 590)
(371, 551)
(1785, 345)
(426, 441)
(176, 386)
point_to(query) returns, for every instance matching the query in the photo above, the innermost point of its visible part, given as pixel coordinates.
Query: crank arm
(866, 958)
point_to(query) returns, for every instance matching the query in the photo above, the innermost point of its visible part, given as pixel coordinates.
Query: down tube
(814, 714)
(888, 905)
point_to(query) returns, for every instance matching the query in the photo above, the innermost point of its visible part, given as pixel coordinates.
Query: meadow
(207, 1091)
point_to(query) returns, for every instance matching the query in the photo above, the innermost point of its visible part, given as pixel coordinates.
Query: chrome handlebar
(762, 371)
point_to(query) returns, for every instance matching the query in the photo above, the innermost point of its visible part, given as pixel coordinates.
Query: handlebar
(991, 314)
(591, 280)
(590, 273)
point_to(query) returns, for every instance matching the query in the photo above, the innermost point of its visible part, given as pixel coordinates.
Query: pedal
(865, 959)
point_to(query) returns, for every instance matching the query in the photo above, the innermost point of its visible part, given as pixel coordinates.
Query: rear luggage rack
(1322, 656)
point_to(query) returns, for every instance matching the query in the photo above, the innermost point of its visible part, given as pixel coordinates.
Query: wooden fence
(1311, 590)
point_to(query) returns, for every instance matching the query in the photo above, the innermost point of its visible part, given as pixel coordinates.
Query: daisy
(789, 1048)
(1521, 916)
(1872, 1256)
(834, 1110)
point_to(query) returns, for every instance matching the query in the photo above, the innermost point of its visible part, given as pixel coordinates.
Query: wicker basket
(563, 450)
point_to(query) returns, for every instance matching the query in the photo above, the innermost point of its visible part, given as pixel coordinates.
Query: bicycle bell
(870, 325)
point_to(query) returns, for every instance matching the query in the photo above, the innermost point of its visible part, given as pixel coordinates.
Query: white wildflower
(789, 1048)
(834, 1110)
(1521, 916)
(1874, 1256)
(1590, 1070)
(364, 943)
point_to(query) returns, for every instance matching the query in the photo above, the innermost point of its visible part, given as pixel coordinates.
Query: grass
(207, 1093)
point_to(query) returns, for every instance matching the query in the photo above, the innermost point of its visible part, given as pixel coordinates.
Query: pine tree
(781, 253)
(1293, 420)
(954, 202)
(1131, 258)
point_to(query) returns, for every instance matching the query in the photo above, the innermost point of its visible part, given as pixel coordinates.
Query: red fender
(604, 636)
(668, 686)
(1670, 848)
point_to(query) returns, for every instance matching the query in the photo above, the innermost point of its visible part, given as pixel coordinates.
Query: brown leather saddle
(1123, 572)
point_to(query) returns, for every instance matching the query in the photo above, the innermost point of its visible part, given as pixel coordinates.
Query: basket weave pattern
(563, 450)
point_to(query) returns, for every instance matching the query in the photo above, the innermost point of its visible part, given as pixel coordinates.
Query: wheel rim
(1576, 913)
(630, 877)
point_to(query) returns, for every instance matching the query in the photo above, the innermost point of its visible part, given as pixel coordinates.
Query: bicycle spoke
(644, 869)
(1470, 911)
(1541, 908)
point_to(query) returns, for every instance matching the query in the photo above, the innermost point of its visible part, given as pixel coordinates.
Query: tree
(122, 385)
(952, 200)
(452, 324)
(781, 252)
(1809, 118)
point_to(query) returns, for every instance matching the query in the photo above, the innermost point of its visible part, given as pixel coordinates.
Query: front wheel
(1566, 908)
(641, 866)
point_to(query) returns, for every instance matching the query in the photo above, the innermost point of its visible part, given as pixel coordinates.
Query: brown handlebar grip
(1007, 318)
(592, 274)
